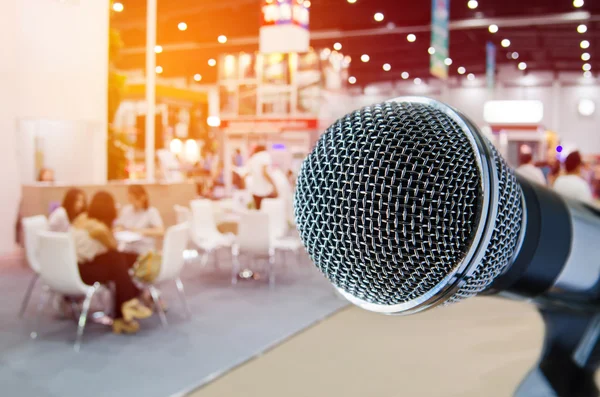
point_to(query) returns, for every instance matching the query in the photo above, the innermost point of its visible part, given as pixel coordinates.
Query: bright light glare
(493, 28)
(472, 4)
(584, 44)
(405, 75)
(515, 55)
(222, 39)
(411, 38)
(587, 67)
(197, 77)
(585, 56)
(212, 62)
(513, 112)
(378, 17)
(387, 67)
(431, 50)
(158, 49)
(182, 26)
(587, 74)
(461, 70)
(505, 43)
(418, 81)
(586, 107)
(365, 58)
(352, 80)
(448, 61)
(337, 46)
(522, 66)
(577, 3)
(581, 28)
(471, 76)
(159, 69)
(351, 1)
(213, 121)
(118, 7)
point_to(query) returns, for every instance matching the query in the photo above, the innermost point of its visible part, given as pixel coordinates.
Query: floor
(229, 326)
(480, 347)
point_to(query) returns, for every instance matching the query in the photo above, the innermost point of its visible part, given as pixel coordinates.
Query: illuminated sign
(279, 13)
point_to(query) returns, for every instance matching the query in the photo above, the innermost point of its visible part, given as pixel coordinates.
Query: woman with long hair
(99, 261)
(73, 204)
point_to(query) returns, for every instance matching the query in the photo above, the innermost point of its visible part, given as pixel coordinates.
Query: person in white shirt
(572, 184)
(74, 203)
(140, 218)
(260, 182)
(529, 171)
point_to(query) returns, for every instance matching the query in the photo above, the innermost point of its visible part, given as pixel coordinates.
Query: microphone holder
(569, 359)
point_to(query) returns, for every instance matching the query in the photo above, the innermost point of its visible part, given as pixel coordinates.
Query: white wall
(9, 176)
(53, 71)
(62, 67)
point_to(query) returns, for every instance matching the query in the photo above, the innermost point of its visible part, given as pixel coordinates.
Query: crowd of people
(566, 178)
(100, 258)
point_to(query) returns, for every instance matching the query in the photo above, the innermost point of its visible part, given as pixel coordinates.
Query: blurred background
(175, 132)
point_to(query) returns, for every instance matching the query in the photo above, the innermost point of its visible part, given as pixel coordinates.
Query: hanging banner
(440, 14)
(490, 65)
(284, 27)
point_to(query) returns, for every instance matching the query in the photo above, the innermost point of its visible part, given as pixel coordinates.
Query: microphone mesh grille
(388, 203)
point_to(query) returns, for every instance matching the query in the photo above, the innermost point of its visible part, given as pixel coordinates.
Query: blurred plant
(118, 144)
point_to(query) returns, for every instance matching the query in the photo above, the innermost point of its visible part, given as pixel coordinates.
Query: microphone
(405, 205)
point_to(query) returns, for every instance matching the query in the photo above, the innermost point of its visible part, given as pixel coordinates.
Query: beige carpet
(480, 347)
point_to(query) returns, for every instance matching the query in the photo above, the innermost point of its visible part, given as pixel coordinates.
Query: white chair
(174, 245)
(204, 232)
(277, 211)
(31, 227)
(60, 274)
(183, 214)
(253, 239)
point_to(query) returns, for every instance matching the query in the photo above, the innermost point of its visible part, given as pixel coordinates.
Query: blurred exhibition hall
(150, 155)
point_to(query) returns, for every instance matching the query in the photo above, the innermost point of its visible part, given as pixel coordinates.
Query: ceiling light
(577, 3)
(351, 1)
(493, 28)
(378, 17)
(586, 107)
(159, 69)
(307, 4)
(411, 38)
(418, 81)
(585, 56)
(461, 70)
(347, 59)
(387, 67)
(584, 44)
(213, 121)
(587, 67)
(405, 75)
(212, 62)
(587, 74)
(352, 80)
(505, 43)
(515, 55)
(337, 46)
(365, 58)
(471, 76)
(182, 26)
(118, 7)
(522, 66)
(472, 4)
(431, 50)
(197, 77)
(581, 28)
(222, 39)
(448, 61)
(158, 49)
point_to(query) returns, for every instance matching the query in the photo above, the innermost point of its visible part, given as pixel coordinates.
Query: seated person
(74, 204)
(139, 217)
(99, 261)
